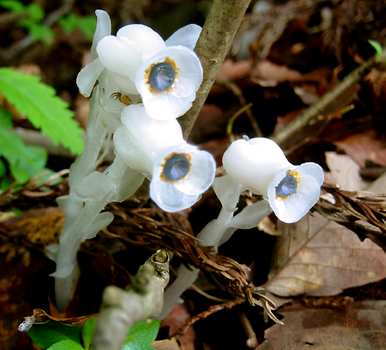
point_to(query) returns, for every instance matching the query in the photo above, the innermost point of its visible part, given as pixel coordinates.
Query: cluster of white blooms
(157, 80)
(140, 84)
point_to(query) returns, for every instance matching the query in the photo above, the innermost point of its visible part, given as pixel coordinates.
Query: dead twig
(314, 112)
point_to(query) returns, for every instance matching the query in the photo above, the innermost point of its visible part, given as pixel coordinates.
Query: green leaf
(42, 33)
(12, 5)
(5, 119)
(3, 169)
(5, 184)
(378, 49)
(141, 334)
(47, 334)
(87, 25)
(25, 161)
(66, 345)
(35, 12)
(88, 332)
(39, 104)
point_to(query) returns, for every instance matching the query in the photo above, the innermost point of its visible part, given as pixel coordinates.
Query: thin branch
(315, 111)
(16, 49)
(220, 27)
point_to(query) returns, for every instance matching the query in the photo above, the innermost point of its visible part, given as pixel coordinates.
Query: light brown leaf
(344, 172)
(318, 257)
(364, 146)
(362, 326)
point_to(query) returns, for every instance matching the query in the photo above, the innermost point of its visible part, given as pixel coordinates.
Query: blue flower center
(176, 167)
(162, 76)
(287, 186)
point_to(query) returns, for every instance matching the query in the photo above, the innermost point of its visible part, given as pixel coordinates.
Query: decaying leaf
(361, 326)
(318, 257)
(344, 172)
(364, 146)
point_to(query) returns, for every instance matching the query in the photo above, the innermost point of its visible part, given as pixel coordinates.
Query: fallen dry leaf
(364, 146)
(344, 172)
(320, 258)
(361, 326)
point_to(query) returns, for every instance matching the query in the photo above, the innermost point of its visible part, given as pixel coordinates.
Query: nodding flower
(260, 165)
(179, 173)
(166, 74)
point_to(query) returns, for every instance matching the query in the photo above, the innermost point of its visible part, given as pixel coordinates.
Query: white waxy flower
(260, 165)
(135, 44)
(140, 138)
(180, 175)
(294, 191)
(254, 162)
(168, 82)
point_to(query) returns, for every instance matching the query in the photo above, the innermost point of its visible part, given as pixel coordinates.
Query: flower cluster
(156, 81)
(140, 86)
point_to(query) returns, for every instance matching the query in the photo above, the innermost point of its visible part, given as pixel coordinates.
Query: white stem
(215, 233)
(210, 235)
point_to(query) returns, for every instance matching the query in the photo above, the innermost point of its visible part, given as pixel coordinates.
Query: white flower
(168, 81)
(122, 55)
(260, 165)
(180, 175)
(294, 191)
(253, 163)
(179, 172)
(140, 138)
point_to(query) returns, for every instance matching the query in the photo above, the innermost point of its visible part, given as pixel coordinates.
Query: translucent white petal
(251, 215)
(168, 197)
(88, 76)
(295, 206)
(95, 186)
(143, 37)
(122, 57)
(178, 99)
(201, 175)
(103, 28)
(126, 148)
(166, 106)
(186, 36)
(253, 163)
(227, 191)
(143, 137)
(123, 84)
(312, 169)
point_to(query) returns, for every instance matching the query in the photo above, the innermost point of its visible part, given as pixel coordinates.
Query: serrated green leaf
(5, 119)
(12, 5)
(25, 161)
(66, 345)
(39, 104)
(88, 332)
(47, 334)
(141, 334)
